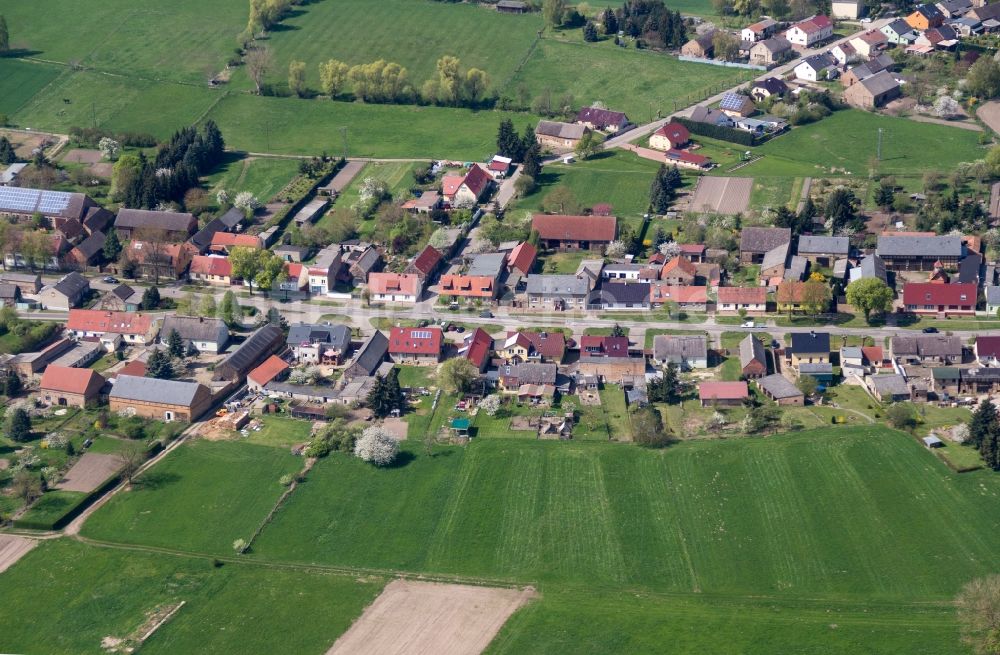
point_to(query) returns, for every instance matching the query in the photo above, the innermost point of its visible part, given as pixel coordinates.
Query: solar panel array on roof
(16, 199)
(420, 334)
(731, 101)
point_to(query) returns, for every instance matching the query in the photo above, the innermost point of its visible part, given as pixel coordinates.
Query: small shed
(933, 442)
(460, 426)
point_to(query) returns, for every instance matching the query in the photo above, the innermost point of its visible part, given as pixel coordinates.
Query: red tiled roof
(659, 293)
(450, 184)
(63, 379)
(692, 248)
(988, 346)
(95, 320)
(814, 24)
(607, 346)
(135, 367)
(228, 239)
(679, 263)
(206, 265)
(552, 344)
(477, 179)
(926, 293)
(688, 157)
(723, 390)
(477, 347)
(400, 283)
(427, 260)
(873, 354)
(415, 341)
(600, 118)
(575, 228)
(790, 291)
(522, 257)
(472, 286)
(743, 295)
(272, 367)
(675, 132)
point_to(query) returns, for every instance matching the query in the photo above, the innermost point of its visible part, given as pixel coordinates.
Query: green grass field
(619, 178)
(200, 499)
(262, 176)
(412, 33)
(20, 80)
(65, 597)
(640, 83)
(126, 37)
(847, 140)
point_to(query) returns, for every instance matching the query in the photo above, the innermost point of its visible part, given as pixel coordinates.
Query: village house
(368, 357)
(778, 388)
(65, 294)
(869, 44)
(711, 116)
(211, 269)
(574, 232)
(88, 252)
(415, 345)
(845, 54)
(131, 328)
(737, 105)
(604, 120)
(753, 358)
(272, 369)
(260, 345)
(468, 286)
(700, 46)
(772, 266)
(157, 260)
(862, 71)
(559, 136)
(679, 271)
(766, 88)
(809, 348)
(394, 287)
(899, 32)
(224, 242)
(528, 346)
(986, 14)
(476, 347)
(686, 351)
(319, 343)
(620, 295)
(752, 300)
(162, 400)
(874, 91)
(292, 254)
(759, 31)
(926, 349)
(425, 264)
(722, 394)
(323, 272)
(359, 264)
(823, 251)
(790, 296)
(176, 227)
(992, 293)
(686, 298)
(688, 159)
(924, 17)
(987, 351)
(205, 335)
(770, 52)
(901, 252)
(816, 67)
(468, 189)
(558, 292)
(940, 299)
(755, 242)
(671, 136)
(521, 259)
(847, 9)
(809, 32)
(513, 376)
(954, 8)
(888, 388)
(62, 386)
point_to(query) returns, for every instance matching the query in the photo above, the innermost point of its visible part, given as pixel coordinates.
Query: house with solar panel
(57, 207)
(735, 104)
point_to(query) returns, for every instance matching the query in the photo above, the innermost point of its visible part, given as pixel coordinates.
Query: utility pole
(878, 148)
(93, 113)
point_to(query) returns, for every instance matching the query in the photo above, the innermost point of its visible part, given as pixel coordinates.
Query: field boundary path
(806, 187)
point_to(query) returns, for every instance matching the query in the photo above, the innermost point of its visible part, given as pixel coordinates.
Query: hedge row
(730, 134)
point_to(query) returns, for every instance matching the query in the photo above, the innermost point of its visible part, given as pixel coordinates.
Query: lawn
(616, 412)
(847, 139)
(619, 178)
(262, 176)
(126, 37)
(281, 432)
(642, 83)
(20, 80)
(774, 192)
(412, 33)
(65, 597)
(566, 263)
(398, 177)
(202, 497)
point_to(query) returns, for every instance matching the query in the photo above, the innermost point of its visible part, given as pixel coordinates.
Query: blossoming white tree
(110, 149)
(376, 446)
(247, 202)
(616, 250)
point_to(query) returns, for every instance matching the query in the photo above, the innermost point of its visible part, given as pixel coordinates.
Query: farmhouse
(687, 298)
(771, 86)
(889, 388)
(476, 347)
(156, 260)
(211, 269)
(927, 349)
(671, 136)
(76, 387)
(602, 119)
(779, 389)
(901, 252)
(722, 394)
(368, 357)
(271, 369)
(57, 206)
(528, 346)
(206, 335)
(319, 343)
(770, 52)
(755, 242)
(621, 295)
(934, 298)
(753, 358)
(163, 400)
(170, 226)
(575, 232)
(89, 251)
(752, 300)
(700, 46)
(110, 326)
(512, 377)
(425, 265)
(394, 287)
(686, 351)
(679, 270)
(522, 258)
(559, 136)
(810, 31)
(823, 251)
(466, 190)
(874, 91)
(418, 345)
(759, 31)
(65, 294)
(258, 346)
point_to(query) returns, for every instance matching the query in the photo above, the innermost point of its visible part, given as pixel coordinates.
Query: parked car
(930, 330)
(109, 279)
(749, 324)
(486, 314)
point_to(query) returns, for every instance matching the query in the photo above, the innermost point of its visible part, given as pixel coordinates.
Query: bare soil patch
(989, 113)
(103, 169)
(722, 195)
(24, 143)
(4, 464)
(13, 548)
(396, 427)
(90, 472)
(82, 156)
(431, 618)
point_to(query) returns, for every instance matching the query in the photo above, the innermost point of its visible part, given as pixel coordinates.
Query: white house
(395, 287)
(845, 54)
(323, 272)
(810, 31)
(815, 68)
(758, 31)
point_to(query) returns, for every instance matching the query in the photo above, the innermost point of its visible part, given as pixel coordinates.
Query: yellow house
(516, 349)
(810, 348)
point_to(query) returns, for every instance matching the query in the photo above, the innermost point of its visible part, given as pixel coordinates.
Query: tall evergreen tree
(7, 154)
(377, 400)
(532, 165)
(19, 427)
(112, 246)
(159, 366)
(393, 392)
(4, 35)
(150, 299)
(984, 420)
(508, 142)
(610, 22)
(12, 384)
(175, 344)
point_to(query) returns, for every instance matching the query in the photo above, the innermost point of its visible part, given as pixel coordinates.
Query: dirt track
(90, 472)
(990, 114)
(429, 618)
(723, 195)
(12, 549)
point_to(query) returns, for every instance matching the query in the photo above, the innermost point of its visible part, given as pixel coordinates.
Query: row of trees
(984, 433)
(649, 21)
(664, 188)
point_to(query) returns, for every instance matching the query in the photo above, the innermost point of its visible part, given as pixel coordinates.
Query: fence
(724, 64)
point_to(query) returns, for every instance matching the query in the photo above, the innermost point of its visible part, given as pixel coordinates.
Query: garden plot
(13, 548)
(428, 617)
(722, 195)
(90, 472)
